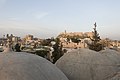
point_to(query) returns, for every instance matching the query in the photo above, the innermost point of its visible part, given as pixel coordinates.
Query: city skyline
(48, 18)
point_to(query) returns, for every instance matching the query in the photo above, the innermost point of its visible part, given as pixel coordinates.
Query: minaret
(65, 31)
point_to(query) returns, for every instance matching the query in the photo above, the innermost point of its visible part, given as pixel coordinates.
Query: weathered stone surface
(85, 64)
(112, 55)
(116, 76)
(25, 66)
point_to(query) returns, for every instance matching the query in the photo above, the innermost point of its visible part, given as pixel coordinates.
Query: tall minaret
(65, 31)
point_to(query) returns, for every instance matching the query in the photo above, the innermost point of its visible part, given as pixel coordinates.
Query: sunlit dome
(85, 64)
(25, 66)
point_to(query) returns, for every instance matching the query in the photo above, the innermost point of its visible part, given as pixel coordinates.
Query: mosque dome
(115, 77)
(25, 66)
(112, 55)
(85, 64)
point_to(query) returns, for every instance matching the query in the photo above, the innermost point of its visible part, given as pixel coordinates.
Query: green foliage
(95, 39)
(75, 40)
(96, 47)
(57, 53)
(42, 53)
(46, 42)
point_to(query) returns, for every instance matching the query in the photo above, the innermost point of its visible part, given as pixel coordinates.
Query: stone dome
(113, 55)
(85, 64)
(115, 77)
(25, 66)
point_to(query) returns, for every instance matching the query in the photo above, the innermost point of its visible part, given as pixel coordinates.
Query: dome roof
(25, 66)
(113, 55)
(85, 64)
(116, 76)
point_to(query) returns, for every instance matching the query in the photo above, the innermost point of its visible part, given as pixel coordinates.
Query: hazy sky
(47, 18)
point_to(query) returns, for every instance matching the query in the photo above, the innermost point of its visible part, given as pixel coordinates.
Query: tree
(46, 42)
(17, 47)
(95, 40)
(57, 53)
(75, 40)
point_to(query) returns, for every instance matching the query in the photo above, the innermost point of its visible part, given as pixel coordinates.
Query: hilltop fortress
(85, 38)
(65, 38)
(78, 34)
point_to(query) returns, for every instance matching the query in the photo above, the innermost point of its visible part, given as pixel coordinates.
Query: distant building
(84, 37)
(29, 37)
(78, 34)
(15, 39)
(3, 41)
